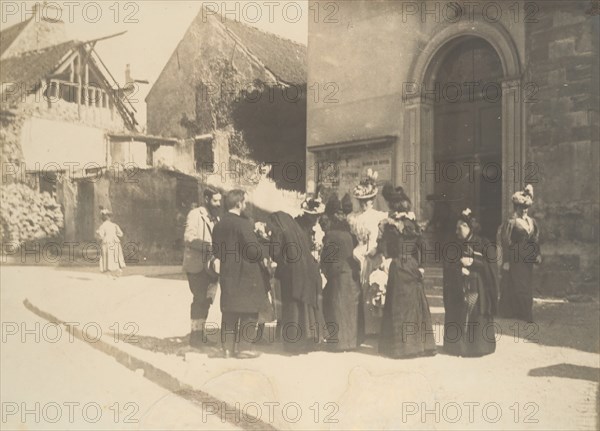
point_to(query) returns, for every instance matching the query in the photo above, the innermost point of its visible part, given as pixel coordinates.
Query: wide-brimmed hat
(524, 197)
(394, 194)
(313, 206)
(367, 188)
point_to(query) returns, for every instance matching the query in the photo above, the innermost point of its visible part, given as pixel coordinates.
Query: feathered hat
(467, 216)
(396, 198)
(367, 188)
(313, 206)
(524, 197)
(105, 211)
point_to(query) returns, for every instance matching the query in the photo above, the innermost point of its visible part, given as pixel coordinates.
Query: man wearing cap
(197, 258)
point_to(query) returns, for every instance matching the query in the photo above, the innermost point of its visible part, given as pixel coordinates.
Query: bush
(27, 215)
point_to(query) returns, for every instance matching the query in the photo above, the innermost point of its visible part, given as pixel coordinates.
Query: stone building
(234, 90)
(466, 102)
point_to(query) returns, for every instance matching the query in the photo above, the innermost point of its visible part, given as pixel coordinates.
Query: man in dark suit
(243, 289)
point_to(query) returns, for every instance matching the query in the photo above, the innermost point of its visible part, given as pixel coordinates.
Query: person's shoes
(198, 341)
(247, 354)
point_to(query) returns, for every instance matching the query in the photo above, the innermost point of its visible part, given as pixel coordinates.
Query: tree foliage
(27, 215)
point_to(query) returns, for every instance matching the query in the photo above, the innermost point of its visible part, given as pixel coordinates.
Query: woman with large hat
(312, 209)
(406, 328)
(519, 239)
(342, 307)
(364, 225)
(470, 293)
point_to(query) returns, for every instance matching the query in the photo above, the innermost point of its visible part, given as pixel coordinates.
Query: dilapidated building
(234, 90)
(68, 129)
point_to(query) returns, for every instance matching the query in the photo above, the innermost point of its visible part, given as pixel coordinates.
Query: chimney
(128, 79)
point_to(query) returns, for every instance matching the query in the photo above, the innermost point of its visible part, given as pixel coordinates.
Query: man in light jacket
(197, 260)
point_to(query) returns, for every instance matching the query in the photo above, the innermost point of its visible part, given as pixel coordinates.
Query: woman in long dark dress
(342, 293)
(471, 292)
(519, 237)
(406, 328)
(312, 209)
(302, 320)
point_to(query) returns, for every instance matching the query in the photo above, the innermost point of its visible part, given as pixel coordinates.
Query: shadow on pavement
(569, 371)
(179, 346)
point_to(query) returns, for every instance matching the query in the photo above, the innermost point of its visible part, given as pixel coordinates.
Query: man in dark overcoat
(243, 287)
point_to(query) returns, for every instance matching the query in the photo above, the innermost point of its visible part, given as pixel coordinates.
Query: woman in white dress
(364, 225)
(111, 253)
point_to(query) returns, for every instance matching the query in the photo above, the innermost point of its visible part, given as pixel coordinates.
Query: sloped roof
(284, 58)
(8, 36)
(31, 67)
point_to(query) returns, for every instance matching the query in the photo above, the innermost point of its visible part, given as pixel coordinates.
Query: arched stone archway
(418, 140)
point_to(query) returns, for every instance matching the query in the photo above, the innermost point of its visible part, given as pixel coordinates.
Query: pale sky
(154, 28)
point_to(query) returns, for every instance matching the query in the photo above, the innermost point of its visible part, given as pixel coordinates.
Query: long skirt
(111, 257)
(302, 325)
(342, 310)
(372, 314)
(516, 298)
(467, 332)
(406, 328)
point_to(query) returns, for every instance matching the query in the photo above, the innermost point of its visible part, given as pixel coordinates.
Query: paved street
(140, 370)
(51, 380)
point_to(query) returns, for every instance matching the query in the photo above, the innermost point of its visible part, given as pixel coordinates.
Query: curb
(161, 378)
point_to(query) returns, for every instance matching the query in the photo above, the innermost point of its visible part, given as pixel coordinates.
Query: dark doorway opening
(468, 131)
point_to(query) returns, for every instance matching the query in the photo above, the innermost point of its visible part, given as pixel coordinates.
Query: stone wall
(562, 60)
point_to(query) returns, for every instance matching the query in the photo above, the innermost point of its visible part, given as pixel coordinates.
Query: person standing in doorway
(197, 260)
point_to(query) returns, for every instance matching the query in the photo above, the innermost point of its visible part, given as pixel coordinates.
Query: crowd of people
(344, 275)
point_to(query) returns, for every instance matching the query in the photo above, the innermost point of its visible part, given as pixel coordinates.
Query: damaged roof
(8, 36)
(32, 67)
(282, 57)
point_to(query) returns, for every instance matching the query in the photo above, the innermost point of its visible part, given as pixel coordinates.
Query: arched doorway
(467, 136)
(418, 142)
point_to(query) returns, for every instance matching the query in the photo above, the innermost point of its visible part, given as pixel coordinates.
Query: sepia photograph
(300, 215)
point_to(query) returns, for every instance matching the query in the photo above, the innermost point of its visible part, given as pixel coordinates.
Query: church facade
(464, 103)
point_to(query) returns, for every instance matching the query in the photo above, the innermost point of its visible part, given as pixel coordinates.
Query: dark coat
(405, 305)
(243, 287)
(342, 305)
(470, 301)
(296, 267)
